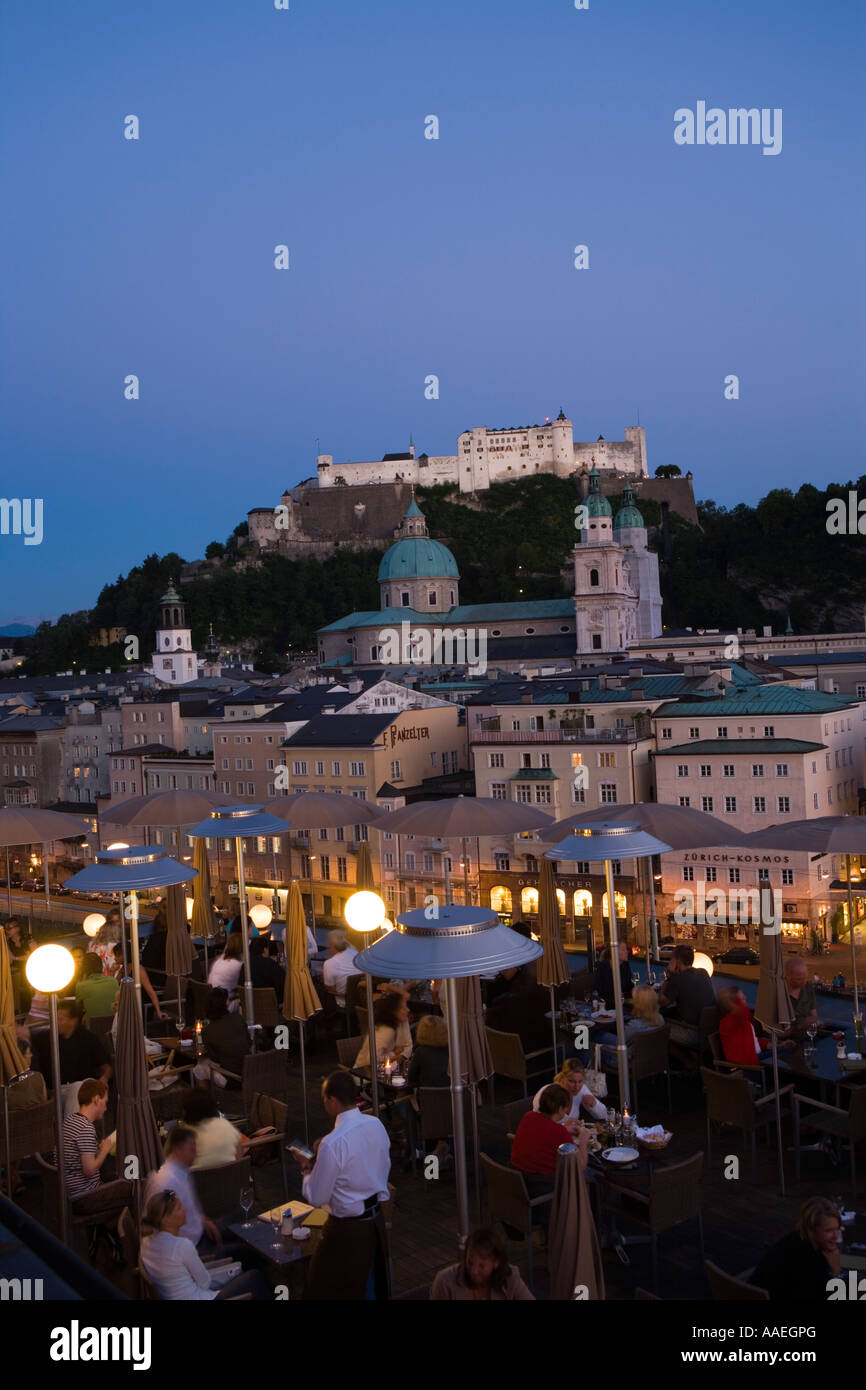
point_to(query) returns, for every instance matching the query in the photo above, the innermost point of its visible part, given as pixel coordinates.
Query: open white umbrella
(29, 825)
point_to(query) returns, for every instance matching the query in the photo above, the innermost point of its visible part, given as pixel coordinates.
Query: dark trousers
(252, 1282)
(230, 1248)
(350, 1248)
(106, 1201)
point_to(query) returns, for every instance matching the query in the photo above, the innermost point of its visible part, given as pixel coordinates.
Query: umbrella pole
(457, 1114)
(858, 1037)
(58, 1114)
(301, 1027)
(45, 871)
(553, 1026)
(465, 872)
(371, 1036)
(644, 874)
(8, 884)
(445, 858)
(136, 961)
(123, 936)
(312, 897)
(778, 1112)
(245, 934)
(654, 926)
(476, 1148)
(6, 1136)
(621, 1050)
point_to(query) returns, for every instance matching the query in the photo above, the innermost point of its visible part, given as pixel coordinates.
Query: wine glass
(811, 1034)
(247, 1199)
(276, 1223)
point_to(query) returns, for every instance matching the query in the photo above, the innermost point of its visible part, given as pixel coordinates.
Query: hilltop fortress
(362, 504)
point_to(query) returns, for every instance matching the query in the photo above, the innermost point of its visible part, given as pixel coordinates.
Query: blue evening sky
(409, 256)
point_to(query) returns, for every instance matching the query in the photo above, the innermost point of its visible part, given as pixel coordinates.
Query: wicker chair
(725, 1288)
(266, 1010)
(266, 1072)
(199, 993)
(730, 1101)
(847, 1125)
(347, 1051)
(720, 1062)
(509, 1059)
(514, 1113)
(102, 1026)
(219, 1189)
(266, 1111)
(674, 1196)
(31, 1131)
(509, 1203)
(436, 1117)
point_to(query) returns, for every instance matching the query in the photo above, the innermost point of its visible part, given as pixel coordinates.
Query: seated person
(573, 1079)
(798, 1267)
(339, 966)
(515, 979)
(801, 992)
(539, 1136)
(226, 969)
(217, 1140)
(523, 1013)
(225, 1040)
(644, 1017)
(82, 1053)
(740, 1042)
(393, 1039)
(175, 1175)
(602, 980)
(686, 991)
(84, 1156)
(483, 1273)
(97, 992)
(264, 972)
(172, 1264)
(429, 1064)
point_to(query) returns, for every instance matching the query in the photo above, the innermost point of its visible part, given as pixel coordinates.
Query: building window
(325, 867)
(495, 759)
(682, 769)
(712, 874)
(707, 804)
(730, 804)
(409, 859)
(759, 804)
(685, 801)
(596, 641)
(342, 870)
(396, 774)
(667, 733)
(542, 796)
(502, 862)
(781, 769)
(788, 878)
(606, 760)
(769, 731)
(733, 875)
(688, 874)
(763, 875)
(784, 803)
(404, 600)
(722, 732)
(427, 861)
(758, 769)
(357, 769)
(593, 579)
(694, 731)
(299, 769)
(728, 770)
(498, 791)
(607, 793)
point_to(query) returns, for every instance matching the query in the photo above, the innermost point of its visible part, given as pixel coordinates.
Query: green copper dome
(628, 514)
(596, 502)
(418, 557)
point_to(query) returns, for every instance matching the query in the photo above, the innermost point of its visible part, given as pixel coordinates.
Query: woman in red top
(538, 1137)
(740, 1043)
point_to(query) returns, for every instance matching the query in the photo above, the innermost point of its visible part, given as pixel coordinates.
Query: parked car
(738, 955)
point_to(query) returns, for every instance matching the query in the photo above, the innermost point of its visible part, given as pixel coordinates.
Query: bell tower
(174, 660)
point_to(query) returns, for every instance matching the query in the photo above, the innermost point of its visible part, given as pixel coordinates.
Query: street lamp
(49, 969)
(93, 923)
(365, 913)
(261, 916)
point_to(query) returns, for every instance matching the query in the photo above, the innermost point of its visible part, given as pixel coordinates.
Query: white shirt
(174, 1177)
(353, 1163)
(336, 971)
(175, 1268)
(225, 973)
(585, 1097)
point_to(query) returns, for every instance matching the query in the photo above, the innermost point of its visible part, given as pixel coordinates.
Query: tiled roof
(739, 745)
(763, 699)
(341, 731)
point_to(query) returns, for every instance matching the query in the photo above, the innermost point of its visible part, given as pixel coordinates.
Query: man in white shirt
(349, 1173)
(175, 1175)
(339, 966)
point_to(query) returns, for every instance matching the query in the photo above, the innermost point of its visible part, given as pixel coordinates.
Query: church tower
(606, 602)
(174, 660)
(641, 564)
(417, 572)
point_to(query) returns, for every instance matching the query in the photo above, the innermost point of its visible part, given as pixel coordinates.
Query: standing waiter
(350, 1174)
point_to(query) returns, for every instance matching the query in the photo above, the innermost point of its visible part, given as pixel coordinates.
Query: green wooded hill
(742, 567)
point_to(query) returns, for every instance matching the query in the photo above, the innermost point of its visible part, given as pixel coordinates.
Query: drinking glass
(276, 1223)
(811, 1034)
(247, 1199)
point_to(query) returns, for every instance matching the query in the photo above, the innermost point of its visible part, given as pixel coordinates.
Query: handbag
(595, 1078)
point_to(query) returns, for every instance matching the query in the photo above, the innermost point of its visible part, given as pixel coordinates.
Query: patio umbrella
(321, 811)
(552, 969)
(179, 950)
(681, 827)
(201, 923)
(773, 1009)
(137, 1133)
(165, 808)
(28, 825)
(574, 1256)
(300, 999)
(824, 835)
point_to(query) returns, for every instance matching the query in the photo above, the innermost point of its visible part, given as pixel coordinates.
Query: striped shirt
(79, 1137)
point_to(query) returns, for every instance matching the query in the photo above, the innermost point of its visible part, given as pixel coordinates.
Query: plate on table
(605, 1016)
(620, 1155)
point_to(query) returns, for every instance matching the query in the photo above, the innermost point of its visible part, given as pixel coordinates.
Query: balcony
(566, 733)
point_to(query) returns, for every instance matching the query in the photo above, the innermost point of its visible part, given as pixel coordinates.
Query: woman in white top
(172, 1264)
(393, 1039)
(226, 969)
(572, 1077)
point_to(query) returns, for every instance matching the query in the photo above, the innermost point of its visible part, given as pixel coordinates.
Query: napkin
(653, 1132)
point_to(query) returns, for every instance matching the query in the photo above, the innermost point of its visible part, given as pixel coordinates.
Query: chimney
(638, 693)
(329, 709)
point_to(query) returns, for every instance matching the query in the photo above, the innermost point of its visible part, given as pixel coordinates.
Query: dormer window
(404, 600)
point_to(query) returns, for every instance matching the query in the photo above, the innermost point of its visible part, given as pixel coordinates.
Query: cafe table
(822, 1066)
(289, 1255)
(631, 1179)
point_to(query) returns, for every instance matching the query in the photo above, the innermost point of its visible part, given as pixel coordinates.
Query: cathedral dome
(418, 557)
(596, 502)
(628, 514)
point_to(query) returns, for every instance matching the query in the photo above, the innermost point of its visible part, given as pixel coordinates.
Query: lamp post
(49, 970)
(237, 823)
(460, 941)
(365, 912)
(606, 842)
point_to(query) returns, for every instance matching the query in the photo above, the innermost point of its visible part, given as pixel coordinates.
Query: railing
(560, 735)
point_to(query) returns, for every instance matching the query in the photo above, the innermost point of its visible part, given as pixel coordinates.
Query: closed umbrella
(179, 950)
(773, 1010)
(29, 825)
(137, 1132)
(201, 923)
(574, 1256)
(300, 999)
(11, 1061)
(476, 1063)
(552, 969)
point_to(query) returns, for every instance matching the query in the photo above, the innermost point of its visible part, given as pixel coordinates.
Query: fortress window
(593, 579)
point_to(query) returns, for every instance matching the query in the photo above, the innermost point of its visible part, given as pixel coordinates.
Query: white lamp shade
(118, 844)
(387, 925)
(49, 968)
(92, 923)
(261, 916)
(190, 904)
(703, 962)
(365, 911)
